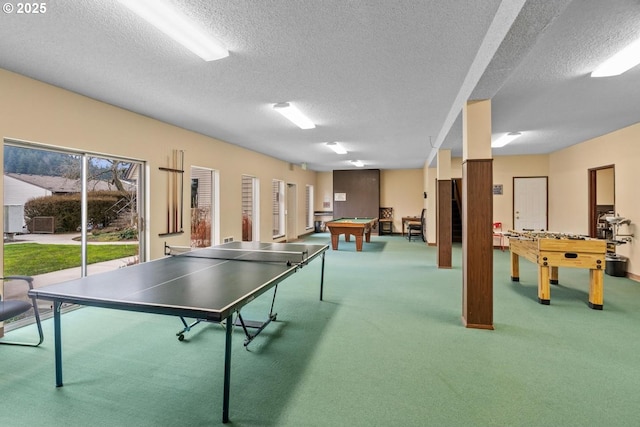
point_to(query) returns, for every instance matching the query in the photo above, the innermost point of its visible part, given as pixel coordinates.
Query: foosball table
(552, 250)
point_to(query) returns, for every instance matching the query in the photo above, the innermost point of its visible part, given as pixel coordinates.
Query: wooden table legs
(549, 275)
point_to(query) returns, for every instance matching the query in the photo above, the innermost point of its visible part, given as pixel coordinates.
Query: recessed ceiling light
(175, 25)
(505, 139)
(622, 61)
(293, 114)
(357, 163)
(335, 146)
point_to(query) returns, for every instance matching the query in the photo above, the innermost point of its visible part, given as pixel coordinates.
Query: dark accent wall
(362, 189)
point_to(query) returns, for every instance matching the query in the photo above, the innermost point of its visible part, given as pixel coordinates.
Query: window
(278, 208)
(74, 195)
(194, 193)
(205, 227)
(250, 211)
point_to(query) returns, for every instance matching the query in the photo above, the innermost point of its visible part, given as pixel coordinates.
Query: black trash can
(318, 226)
(616, 266)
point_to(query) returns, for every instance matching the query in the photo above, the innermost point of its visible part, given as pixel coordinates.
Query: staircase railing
(124, 204)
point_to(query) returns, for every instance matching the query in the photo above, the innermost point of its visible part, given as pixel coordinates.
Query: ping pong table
(209, 284)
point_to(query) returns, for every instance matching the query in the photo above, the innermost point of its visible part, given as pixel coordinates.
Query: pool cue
(175, 192)
(181, 189)
(168, 199)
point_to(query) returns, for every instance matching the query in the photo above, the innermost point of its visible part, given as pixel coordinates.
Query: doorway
(456, 210)
(601, 200)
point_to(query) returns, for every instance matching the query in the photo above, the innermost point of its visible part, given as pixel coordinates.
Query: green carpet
(386, 348)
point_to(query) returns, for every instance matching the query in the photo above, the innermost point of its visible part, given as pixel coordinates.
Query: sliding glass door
(69, 214)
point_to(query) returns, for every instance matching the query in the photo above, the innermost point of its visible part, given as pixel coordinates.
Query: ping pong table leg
(227, 369)
(57, 337)
(322, 277)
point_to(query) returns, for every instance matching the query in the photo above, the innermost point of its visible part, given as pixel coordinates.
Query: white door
(530, 203)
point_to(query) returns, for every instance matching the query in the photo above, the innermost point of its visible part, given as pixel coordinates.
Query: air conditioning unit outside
(43, 224)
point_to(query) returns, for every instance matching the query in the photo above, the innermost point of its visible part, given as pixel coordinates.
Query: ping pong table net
(290, 258)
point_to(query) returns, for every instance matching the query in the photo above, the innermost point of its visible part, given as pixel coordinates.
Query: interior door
(530, 203)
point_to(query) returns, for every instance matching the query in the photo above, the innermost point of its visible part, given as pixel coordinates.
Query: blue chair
(12, 308)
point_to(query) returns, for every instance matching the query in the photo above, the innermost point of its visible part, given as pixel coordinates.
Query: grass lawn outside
(31, 259)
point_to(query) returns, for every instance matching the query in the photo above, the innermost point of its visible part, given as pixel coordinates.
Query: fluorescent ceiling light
(357, 163)
(293, 114)
(335, 146)
(505, 139)
(622, 61)
(176, 26)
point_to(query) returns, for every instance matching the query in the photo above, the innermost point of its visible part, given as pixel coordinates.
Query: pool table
(357, 227)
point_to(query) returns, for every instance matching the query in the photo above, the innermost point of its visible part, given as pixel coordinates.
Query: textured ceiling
(386, 78)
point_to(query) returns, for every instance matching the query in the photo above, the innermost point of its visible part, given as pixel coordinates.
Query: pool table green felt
(357, 227)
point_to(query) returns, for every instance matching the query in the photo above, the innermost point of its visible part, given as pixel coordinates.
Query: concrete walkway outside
(61, 239)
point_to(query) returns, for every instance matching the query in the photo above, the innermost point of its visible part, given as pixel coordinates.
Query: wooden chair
(415, 228)
(385, 221)
(12, 308)
(497, 232)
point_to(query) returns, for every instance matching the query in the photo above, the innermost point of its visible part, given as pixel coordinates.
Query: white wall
(569, 185)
